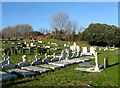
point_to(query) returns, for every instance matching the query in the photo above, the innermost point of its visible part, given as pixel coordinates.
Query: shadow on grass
(113, 65)
(6, 85)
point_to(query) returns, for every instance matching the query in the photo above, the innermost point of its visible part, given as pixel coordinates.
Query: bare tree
(59, 21)
(16, 31)
(70, 28)
(24, 29)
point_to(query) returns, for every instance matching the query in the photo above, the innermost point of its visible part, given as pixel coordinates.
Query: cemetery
(22, 62)
(59, 44)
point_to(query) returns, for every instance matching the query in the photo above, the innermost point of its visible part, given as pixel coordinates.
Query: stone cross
(9, 60)
(46, 56)
(4, 56)
(54, 55)
(36, 57)
(24, 58)
(96, 62)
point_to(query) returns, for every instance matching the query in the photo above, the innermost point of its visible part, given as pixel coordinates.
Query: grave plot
(3, 62)
(35, 69)
(60, 63)
(12, 68)
(73, 61)
(6, 76)
(95, 68)
(50, 66)
(26, 65)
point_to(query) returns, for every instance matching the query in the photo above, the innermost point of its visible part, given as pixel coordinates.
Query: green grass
(68, 76)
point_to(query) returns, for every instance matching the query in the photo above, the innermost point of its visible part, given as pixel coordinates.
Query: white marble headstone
(72, 48)
(84, 50)
(4, 56)
(74, 45)
(36, 57)
(92, 50)
(31, 44)
(24, 58)
(78, 48)
(9, 60)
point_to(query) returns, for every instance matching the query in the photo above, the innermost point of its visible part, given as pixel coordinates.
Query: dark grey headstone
(5, 51)
(22, 51)
(31, 50)
(12, 51)
(9, 53)
(15, 52)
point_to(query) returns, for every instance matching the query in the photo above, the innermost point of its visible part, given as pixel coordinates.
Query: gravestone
(105, 62)
(9, 53)
(47, 47)
(24, 63)
(31, 44)
(69, 54)
(9, 59)
(4, 56)
(40, 42)
(84, 50)
(36, 57)
(54, 58)
(18, 47)
(63, 54)
(25, 42)
(36, 62)
(12, 51)
(74, 46)
(27, 45)
(78, 48)
(96, 63)
(46, 60)
(24, 58)
(48, 51)
(12, 47)
(5, 51)
(23, 45)
(92, 50)
(23, 51)
(31, 50)
(15, 52)
(65, 45)
(41, 50)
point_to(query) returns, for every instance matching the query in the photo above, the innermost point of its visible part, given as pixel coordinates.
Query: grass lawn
(68, 76)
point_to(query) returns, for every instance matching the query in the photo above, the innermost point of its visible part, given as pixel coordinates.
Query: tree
(101, 34)
(15, 32)
(59, 21)
(70, 30)
(24, 29)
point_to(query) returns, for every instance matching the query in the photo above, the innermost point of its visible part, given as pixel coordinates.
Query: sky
(38, 14)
